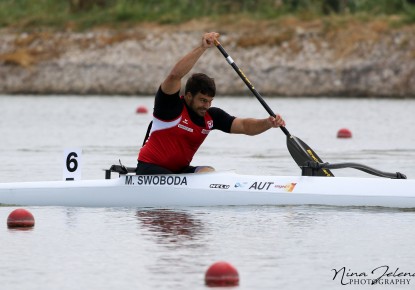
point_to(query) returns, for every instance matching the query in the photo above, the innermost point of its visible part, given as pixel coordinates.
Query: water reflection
(20, 229)
(170, 226)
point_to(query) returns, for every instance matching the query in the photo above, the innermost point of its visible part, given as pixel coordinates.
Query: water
(293, 247)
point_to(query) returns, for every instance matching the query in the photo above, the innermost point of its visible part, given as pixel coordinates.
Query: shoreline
(287, 61)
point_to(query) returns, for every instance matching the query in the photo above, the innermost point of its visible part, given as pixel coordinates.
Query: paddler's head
(199, 92)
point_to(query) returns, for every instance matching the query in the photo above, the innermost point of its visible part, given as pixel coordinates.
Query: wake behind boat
(212, 189)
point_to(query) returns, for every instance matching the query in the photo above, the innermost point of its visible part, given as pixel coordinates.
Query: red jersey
(172, 144)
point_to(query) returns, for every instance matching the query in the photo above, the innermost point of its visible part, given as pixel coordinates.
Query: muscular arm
(172, 83)
(250, 126)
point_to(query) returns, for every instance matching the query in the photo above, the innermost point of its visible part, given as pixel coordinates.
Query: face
(199, 103)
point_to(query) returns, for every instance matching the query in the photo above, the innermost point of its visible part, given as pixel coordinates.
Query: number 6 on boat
(72, 158)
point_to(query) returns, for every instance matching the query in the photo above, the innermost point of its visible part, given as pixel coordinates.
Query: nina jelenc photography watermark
(382, 275)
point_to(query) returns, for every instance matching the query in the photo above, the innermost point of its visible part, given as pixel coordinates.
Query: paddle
(299, 150)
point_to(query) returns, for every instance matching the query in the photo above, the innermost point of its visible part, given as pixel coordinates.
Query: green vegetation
(81, 14)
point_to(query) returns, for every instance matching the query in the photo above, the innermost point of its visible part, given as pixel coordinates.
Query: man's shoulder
(167, 107)
(215, 111)
(221, 119)
(163, 95)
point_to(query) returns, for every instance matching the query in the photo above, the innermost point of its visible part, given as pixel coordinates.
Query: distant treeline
(87, 13)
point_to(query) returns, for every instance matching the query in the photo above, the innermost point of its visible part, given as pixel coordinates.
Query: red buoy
(344, 133)
(20, 218)
(221, 274)
(141, 110)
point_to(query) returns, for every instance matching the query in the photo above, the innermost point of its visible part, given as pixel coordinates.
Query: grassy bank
(84, 14)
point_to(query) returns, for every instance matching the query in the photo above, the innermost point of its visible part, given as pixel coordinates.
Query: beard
(200, 111)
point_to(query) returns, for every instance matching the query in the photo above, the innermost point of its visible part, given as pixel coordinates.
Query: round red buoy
(20, 218)
(141, 110)
(344, 133)
(221, 274)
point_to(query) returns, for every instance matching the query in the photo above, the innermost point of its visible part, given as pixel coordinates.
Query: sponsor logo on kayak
(382, 275)
(220, 186)
(267, 185)
(261, 185)
(156, 180)
(240, 184)
(289, 187)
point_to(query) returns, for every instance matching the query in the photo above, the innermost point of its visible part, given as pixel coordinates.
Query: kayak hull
(212, 189)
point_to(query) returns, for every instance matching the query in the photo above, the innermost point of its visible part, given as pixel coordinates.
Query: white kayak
(212, 189)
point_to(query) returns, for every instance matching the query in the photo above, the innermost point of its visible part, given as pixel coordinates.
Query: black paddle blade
(302, 153)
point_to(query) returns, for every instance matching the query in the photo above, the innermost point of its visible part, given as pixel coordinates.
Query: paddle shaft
(300, 151)
(248, 84)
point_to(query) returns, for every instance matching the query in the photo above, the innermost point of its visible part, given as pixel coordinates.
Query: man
(181, 124)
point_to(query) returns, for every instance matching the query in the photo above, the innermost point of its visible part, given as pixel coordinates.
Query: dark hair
(200, 83)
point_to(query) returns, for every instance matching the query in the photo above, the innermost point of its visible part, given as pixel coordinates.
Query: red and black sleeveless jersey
(176, 135)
